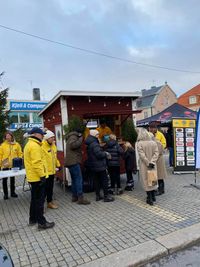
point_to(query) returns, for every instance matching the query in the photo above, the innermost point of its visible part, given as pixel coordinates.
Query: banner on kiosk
(197, 159)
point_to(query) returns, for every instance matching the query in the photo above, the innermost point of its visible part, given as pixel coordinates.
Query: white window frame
(192, 99)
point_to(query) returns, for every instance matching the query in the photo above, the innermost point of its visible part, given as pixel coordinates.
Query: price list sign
(184, 144)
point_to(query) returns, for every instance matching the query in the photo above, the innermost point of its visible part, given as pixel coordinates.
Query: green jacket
(73, 149)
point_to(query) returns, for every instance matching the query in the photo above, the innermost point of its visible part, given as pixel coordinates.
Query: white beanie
(94, 132)
(48, 134)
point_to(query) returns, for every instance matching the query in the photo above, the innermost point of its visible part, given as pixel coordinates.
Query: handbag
(5, 163)
(152, 178)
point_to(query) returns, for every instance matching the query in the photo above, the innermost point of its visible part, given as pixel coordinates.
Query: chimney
(36, 93)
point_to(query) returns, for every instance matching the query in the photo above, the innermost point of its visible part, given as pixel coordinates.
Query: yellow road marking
(165, 214)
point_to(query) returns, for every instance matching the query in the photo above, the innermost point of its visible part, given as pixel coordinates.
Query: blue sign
(27, 106)
(25, 125)
(197, 154)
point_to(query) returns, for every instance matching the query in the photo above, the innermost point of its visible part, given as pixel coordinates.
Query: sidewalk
(102, 234)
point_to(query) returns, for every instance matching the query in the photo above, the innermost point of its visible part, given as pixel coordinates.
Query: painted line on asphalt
(165, 214)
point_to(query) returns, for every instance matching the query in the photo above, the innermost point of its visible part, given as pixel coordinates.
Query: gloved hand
(59, 168)
(42, 181)
(151, 166)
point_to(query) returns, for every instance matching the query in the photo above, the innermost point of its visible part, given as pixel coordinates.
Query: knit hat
(48, 134)
(94, 133)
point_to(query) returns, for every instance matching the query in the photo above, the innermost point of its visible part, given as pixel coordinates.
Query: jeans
(5, 185)
(37, 203)
(77, 180)
(171, 156)
(101, 179)
(49, 188)
(114, 172)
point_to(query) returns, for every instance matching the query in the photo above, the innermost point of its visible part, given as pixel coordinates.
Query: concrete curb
(150, 250)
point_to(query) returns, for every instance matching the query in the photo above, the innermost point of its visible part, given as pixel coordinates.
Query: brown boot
(52, 205)
(74, 198)
(83, 201)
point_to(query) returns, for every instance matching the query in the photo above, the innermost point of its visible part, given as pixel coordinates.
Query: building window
(24, 117)
(192, 100)
(13, 117)
(36, 118)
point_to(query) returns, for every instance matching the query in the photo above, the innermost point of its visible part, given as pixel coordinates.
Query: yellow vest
(50, 154)
(34, 160)
(160, 137)
(10, 151)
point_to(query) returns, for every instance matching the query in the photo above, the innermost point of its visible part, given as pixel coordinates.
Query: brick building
(154, 100)
(191, 99)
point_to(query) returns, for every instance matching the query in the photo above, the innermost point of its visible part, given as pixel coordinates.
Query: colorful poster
(184, 144)
(197, 147)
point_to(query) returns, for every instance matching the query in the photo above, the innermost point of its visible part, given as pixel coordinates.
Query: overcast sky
(158, 32)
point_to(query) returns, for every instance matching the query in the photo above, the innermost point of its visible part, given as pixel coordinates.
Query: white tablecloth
(10, 173)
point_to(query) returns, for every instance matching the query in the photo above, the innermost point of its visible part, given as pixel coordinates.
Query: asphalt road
(186, 258)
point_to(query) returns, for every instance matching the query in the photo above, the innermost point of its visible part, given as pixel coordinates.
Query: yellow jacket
(34, 160)
(10, 151)
(104, 131)
(50, 154)
(160, 137)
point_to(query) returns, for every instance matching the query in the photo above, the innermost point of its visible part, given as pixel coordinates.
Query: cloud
(157, 32)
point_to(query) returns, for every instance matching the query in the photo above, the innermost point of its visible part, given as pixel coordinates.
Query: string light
(72, 107)
(104, 104)
(89, 100)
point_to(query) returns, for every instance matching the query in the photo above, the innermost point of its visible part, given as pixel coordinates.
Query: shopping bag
(152, 178)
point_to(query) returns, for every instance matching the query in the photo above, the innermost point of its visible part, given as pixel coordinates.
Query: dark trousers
(114, 172)
(5, 184)
(171, 156)
(101, 180)
(37, 203)
(129, 175)
(49, 188)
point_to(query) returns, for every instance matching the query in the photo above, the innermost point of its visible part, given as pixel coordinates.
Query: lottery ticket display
(184, 144)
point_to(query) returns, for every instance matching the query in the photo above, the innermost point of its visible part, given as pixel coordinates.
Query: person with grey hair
(148, 156)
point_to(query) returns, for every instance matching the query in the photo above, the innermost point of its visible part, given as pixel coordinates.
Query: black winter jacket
(116, 151)
(96, 156)
(130, 160)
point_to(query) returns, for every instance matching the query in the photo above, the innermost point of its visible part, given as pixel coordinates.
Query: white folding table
(11, 173)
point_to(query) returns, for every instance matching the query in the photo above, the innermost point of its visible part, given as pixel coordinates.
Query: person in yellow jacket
(158, 135)
(9, 150)
(36, 174)
(103, 130)
(50, 154)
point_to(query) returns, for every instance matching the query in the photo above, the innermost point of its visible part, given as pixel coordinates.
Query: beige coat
(148, 153)
(161, 169)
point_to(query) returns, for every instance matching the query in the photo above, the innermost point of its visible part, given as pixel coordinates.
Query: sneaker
(119, 191)
(51, 205)
(31, 223)
(108, 199)
(46, 225)
(5, 197)
(98, 198)
(83, 201)
(74, 198)
(14, 195)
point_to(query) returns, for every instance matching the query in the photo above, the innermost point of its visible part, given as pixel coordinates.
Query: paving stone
(83, 234)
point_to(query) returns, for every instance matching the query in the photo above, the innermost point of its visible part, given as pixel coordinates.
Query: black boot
(149, 198)
(153, 194)
(158, 192)
(108, 199)
(162, 190)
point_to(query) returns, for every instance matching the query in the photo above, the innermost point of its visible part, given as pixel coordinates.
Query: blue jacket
(96, 156)
(116, 151)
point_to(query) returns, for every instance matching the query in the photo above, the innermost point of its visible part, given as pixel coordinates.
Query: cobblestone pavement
(85, 233)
